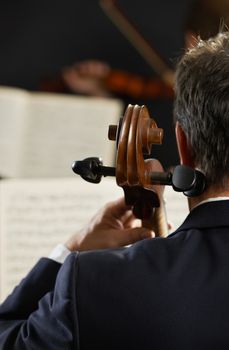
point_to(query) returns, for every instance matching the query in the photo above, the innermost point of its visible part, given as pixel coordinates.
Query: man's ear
(184, 148)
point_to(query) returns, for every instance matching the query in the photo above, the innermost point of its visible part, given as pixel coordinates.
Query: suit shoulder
(127, 258)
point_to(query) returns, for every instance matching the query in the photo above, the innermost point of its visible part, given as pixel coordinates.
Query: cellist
(162, 293)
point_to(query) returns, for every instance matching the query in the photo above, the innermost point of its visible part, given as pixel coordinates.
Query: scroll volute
(135, 135)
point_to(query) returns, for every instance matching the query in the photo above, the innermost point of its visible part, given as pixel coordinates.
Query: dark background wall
(38, 38)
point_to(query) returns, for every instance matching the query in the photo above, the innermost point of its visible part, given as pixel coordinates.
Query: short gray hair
(202, 105)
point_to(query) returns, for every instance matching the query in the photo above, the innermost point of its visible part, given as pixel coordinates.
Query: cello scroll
(134, 136)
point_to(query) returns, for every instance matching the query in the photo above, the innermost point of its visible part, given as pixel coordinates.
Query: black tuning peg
(183, 179)
(189, 181)
(92, 169)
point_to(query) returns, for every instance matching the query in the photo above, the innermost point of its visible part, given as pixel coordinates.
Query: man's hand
(87, 77)
(113, 226)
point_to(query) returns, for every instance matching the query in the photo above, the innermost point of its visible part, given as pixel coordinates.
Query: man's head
(202, 107)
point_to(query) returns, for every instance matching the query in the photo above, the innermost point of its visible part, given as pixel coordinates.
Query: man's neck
(212, 192)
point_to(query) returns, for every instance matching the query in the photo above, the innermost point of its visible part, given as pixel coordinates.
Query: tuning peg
(189, 181)
(92, 169)
(183, 179)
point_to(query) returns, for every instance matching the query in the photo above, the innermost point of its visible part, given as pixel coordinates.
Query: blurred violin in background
(96, 78)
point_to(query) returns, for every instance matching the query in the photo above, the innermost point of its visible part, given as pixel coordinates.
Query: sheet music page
(63, 128)
(176, 207)
(13, 104)
(36, 215)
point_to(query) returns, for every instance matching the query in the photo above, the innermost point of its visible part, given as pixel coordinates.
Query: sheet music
(13, 104)
(176, 207)
(41, 134)
(35, 215)
(61, 129)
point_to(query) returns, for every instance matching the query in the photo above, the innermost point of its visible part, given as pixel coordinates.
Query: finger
(70, 74)
(130, 236)
(127, 218)
(117, 208)
(170, 226)
(130, 221)
(133, 223)
(97, 69)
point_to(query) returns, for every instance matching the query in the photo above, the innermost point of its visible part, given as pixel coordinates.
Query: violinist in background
(97, 78)
(162, 293)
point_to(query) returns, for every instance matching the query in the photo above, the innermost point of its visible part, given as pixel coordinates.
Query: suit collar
(207, 215)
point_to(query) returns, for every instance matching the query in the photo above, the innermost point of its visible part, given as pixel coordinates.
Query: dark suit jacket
(170, 293)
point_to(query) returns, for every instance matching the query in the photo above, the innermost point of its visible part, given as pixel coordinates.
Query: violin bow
(117, 16)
